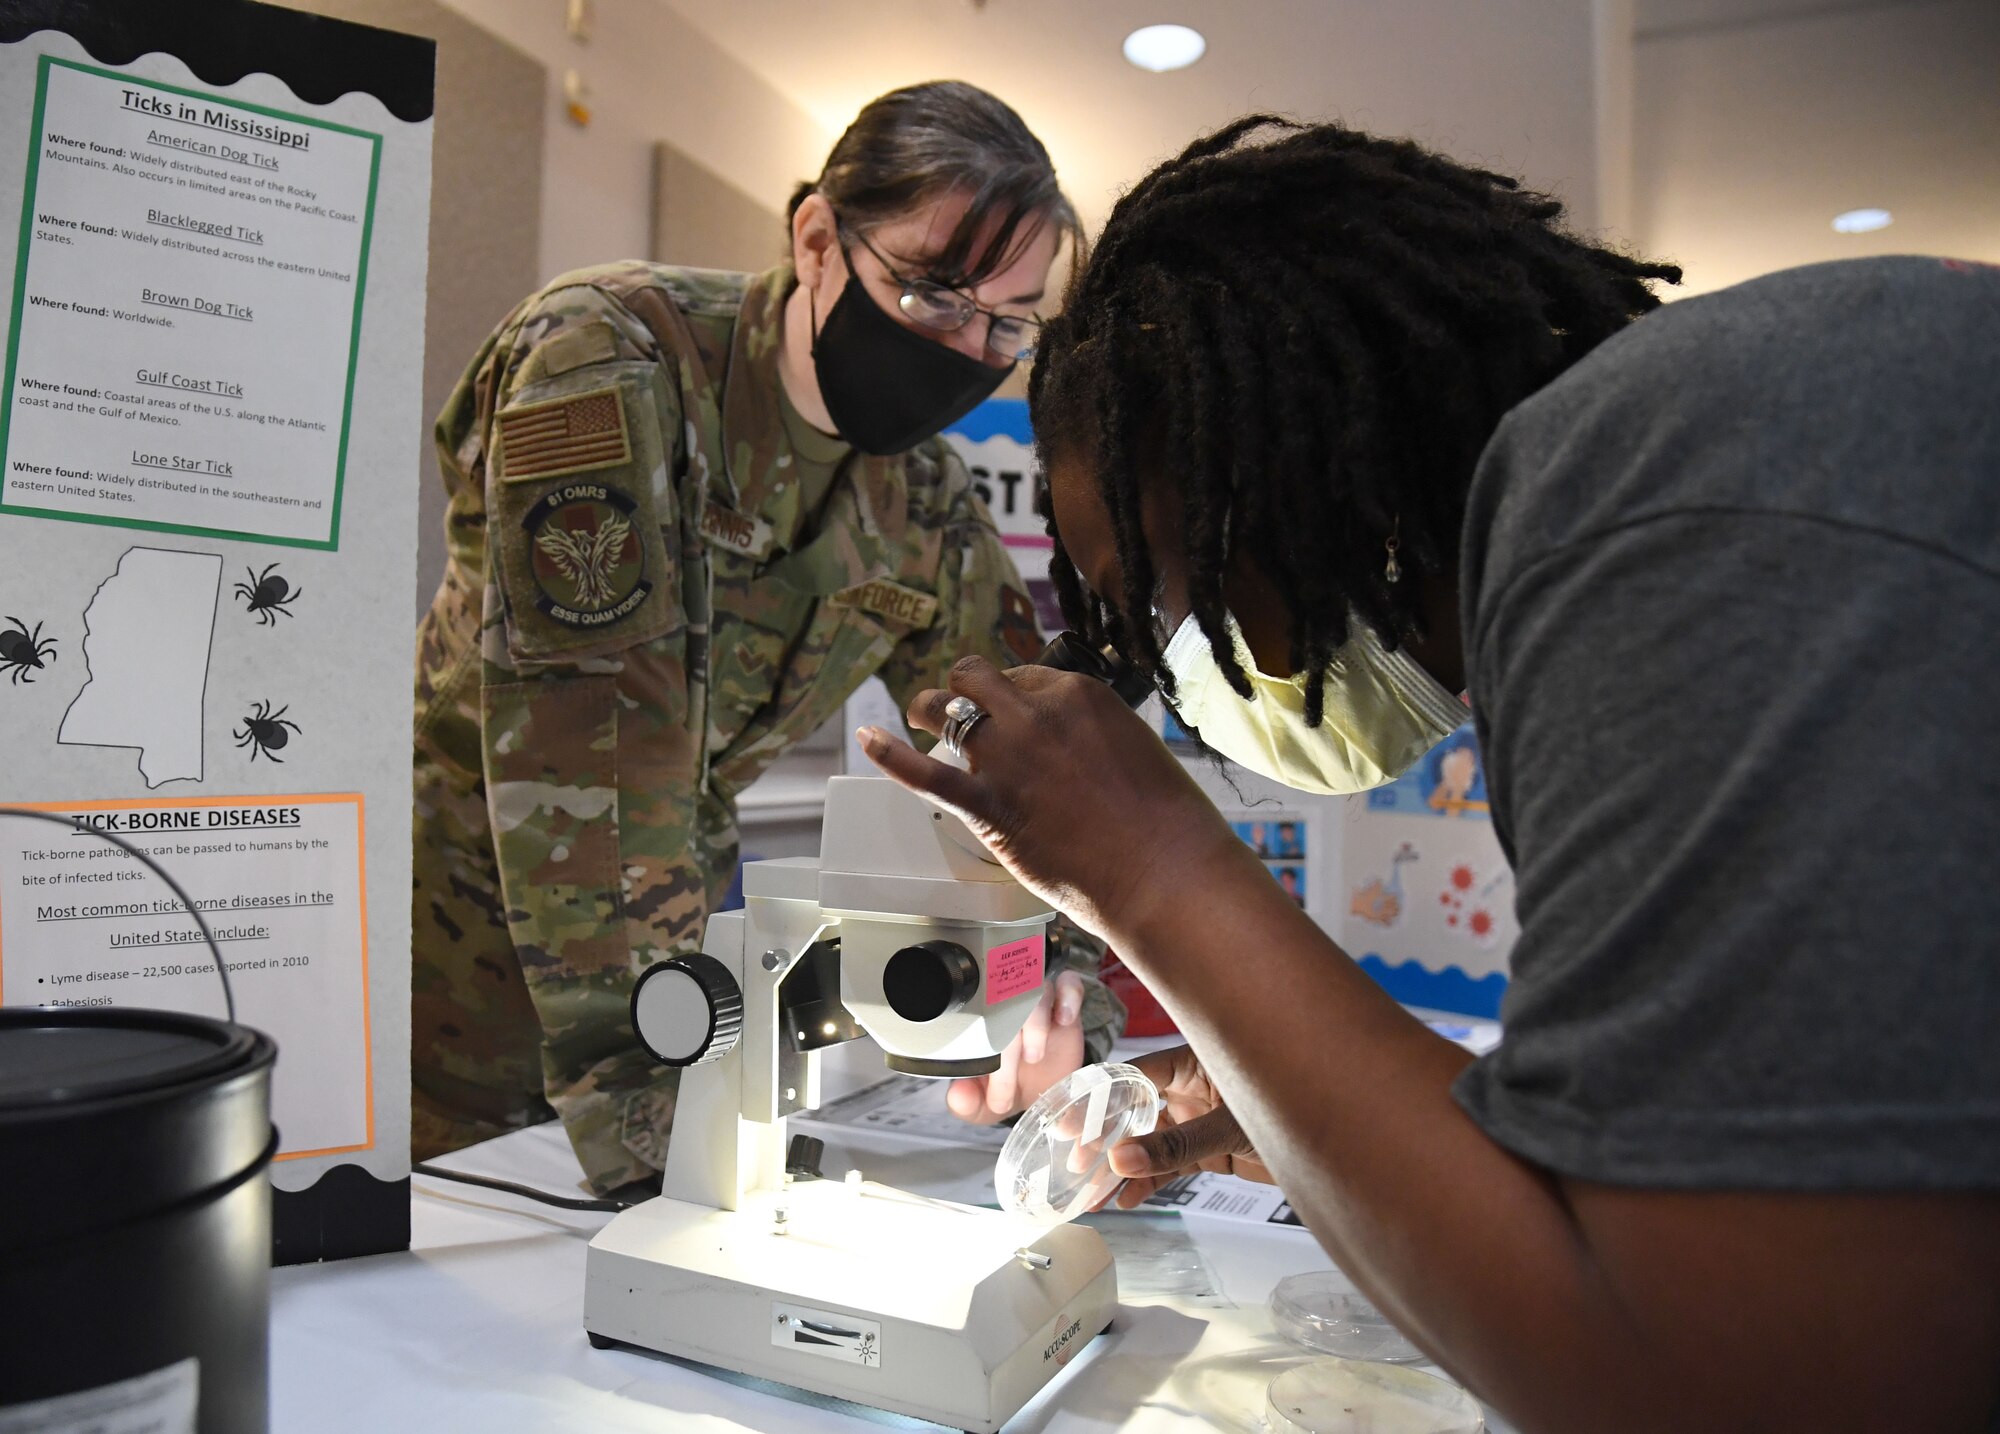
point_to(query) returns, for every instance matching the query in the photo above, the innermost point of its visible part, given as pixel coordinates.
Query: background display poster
(1427, 897)
(280, 883)
(1297, 836)
(208, 389)
(210, 432)
(998, 447)
(1408, 879)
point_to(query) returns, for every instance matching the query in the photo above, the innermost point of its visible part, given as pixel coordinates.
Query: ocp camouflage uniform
(643, 609)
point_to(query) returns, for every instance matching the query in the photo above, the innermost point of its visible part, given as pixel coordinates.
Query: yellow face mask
(1382, 712)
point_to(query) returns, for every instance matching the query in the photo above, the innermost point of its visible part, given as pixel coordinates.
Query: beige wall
(521, 194)
(486, 181)
(1759, 120)
(653, 77)
(1611, 25)
(703, 220)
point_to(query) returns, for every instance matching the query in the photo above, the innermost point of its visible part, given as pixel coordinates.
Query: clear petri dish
(1321, 1312)
(1056, 1164)
(1351, 1396)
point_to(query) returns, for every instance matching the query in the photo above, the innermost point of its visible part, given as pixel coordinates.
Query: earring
(1392, 571)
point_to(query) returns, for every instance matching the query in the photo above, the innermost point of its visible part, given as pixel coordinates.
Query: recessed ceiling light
(1863, 221)
(1164, 47)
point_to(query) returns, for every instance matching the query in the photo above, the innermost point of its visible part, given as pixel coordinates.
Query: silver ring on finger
(961, 715)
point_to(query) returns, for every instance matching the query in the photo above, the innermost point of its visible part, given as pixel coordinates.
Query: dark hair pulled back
(913, 146)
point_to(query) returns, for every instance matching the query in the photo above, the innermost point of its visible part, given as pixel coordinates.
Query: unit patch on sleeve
(563, 436)
(889, 600)
(588, 564)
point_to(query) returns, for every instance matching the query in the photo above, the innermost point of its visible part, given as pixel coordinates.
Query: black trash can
(135, 1214)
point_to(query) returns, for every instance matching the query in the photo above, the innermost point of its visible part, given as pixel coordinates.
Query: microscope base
(870, 1294)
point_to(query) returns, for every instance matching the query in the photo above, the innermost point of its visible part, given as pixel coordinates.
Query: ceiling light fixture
(1164, 47)
(1863, 221)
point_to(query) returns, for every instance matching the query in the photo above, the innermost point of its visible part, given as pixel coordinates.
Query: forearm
(589, 789)
(1347, 1098)
(1572, 1304)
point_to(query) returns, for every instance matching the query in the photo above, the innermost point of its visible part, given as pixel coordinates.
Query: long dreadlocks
(1311, 334)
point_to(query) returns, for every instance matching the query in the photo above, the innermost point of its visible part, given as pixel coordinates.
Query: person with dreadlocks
(1335, 429)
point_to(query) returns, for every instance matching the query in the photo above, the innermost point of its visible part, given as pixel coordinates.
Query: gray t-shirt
(1732, 614)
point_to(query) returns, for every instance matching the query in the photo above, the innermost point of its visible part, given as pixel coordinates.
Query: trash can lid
(51, 1058)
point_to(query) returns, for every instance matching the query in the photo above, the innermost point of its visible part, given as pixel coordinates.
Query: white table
(479, 1326)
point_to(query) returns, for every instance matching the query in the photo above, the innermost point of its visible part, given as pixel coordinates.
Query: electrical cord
(567, 1202)
(221, 971)
(229, 1002)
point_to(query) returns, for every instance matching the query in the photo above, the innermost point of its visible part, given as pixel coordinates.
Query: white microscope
(904, 929)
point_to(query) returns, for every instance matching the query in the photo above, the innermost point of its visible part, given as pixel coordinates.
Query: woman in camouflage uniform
(690, 513)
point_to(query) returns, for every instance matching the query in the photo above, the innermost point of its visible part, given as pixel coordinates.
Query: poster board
(1408, 879)
(1297, 837)
(209, 446)
(1428, 897)
(1418, 895)
(998, 447)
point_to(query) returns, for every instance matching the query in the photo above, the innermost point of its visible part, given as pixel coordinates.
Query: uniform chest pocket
(781, 655)
(837, 651)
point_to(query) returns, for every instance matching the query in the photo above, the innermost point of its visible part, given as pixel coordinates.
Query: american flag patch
(564, 435)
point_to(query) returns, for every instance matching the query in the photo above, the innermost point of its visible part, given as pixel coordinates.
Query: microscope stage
(941, 1311)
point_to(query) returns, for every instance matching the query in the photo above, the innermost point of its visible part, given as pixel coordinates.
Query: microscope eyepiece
(1068, 652)
(922, 983)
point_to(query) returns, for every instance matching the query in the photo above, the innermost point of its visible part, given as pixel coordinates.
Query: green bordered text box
(332, 540)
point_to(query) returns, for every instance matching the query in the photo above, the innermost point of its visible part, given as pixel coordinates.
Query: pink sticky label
(1015, 967)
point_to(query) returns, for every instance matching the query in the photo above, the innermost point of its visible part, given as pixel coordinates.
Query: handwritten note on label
(1015, 967)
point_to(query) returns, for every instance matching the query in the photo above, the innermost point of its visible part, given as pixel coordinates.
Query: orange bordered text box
(280, 881)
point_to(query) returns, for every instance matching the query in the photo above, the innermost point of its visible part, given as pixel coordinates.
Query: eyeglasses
(945, 310)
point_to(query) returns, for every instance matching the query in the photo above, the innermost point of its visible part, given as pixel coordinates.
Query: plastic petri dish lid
(1319, 1311)
(1057, 1163)
(1350, 1396)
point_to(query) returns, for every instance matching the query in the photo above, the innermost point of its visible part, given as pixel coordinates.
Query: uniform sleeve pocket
(552, 786)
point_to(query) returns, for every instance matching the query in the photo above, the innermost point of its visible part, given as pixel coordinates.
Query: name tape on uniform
(564, 435)
(891, 600)
(748, 536)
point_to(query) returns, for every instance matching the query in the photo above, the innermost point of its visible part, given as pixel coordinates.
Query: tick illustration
(264, 731)
(268, 595)
(22, 651)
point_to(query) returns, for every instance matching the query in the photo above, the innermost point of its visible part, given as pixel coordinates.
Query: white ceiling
(1751, 133)
(1659, 17)
(1505, 83)
(1752, 121)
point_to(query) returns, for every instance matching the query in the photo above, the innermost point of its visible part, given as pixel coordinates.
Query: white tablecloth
(479, 1326)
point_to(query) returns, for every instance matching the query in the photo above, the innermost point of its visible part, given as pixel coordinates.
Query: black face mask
(888, 388)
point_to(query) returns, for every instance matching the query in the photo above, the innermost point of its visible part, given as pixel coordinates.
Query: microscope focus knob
(688, 1010)
(922, 983)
